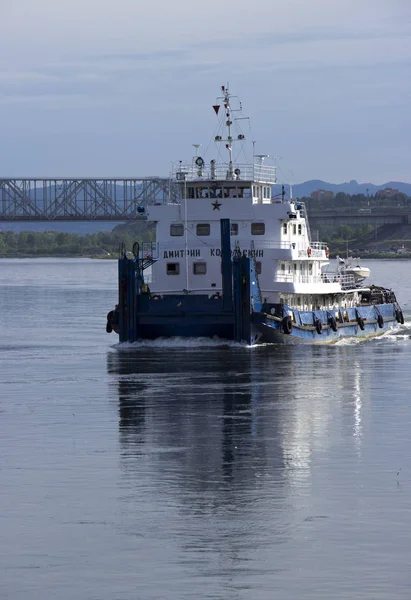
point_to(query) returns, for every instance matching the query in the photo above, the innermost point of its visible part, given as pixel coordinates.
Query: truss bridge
(91, 199)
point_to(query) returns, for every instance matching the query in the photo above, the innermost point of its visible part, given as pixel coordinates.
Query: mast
(226, 98)
(228, 123)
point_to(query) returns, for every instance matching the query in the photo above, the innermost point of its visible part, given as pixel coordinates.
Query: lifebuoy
(309, 251)
(360, 322)
(327, 252)
(333, 323)
(319, 326)
(380, 321)
(287, 325)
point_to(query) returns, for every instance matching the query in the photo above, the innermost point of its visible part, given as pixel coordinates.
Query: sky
(124, 88)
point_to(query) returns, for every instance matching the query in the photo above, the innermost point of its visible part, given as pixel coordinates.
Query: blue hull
(304, 330)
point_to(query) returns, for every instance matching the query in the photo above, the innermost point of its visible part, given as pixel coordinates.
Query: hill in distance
(351, 187)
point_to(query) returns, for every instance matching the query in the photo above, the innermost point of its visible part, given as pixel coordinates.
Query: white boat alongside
(351, 266)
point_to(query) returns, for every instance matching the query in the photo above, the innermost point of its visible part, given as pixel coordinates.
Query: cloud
(127, 66)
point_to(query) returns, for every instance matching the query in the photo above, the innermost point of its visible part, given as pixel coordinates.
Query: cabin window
(202, 193)
(283, 267)
(244, 193)
(294, 229)
(300, 229)
(216, 192)
(285, 228)
(310, 268)
(203, 229)
(234, 228)
(258, 267)
(176, 229)
(199, 268)
(173, 268)
(295, 267)
(257, 228)
(190, 192)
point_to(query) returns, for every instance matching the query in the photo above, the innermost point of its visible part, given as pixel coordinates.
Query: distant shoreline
(362, 257)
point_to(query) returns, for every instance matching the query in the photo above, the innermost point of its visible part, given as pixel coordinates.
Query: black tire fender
(399, 316)
(332, 322)
(380, 321)
(319, 326)
(360, 322)
(287, 325)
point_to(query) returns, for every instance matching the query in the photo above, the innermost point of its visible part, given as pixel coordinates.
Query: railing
(346, 281)
(318, 245)
(221, 171)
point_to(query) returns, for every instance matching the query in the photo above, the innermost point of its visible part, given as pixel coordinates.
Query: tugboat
(236, 262)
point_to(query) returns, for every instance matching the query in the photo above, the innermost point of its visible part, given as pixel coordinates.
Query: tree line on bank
(54, 243)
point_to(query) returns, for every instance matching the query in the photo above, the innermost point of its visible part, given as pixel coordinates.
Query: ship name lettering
(196, 253)
(182, 253)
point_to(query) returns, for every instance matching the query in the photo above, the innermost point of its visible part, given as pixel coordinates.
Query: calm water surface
(178, 470)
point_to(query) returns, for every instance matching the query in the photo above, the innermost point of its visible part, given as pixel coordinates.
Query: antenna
(197, 146)
(291, 185)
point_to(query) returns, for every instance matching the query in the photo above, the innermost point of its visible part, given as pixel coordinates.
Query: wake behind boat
(233, 261)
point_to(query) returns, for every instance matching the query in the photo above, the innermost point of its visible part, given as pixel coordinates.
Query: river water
(181, 470)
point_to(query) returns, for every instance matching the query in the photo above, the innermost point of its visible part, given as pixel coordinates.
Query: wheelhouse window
(199, 268)
(203, 229)
(245, 192)
(234, 228)
(176, 229)
(267, 192)
(285, 229)
(257, 228)
(173, 268)
(300, 229)
(294, 229)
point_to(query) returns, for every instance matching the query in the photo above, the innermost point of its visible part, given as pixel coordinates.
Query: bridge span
(121, 199)
(79, 199)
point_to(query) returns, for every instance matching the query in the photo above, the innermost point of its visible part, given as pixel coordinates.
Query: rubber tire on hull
(399, 316)
(360, 322)
(333, 323)
(287, 325)
(110, 316)
(380, 321)
(319, 326)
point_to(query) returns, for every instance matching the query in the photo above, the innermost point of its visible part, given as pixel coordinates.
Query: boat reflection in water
(218, 446)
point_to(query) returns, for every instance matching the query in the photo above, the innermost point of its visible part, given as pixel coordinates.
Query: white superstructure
(273, 231)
